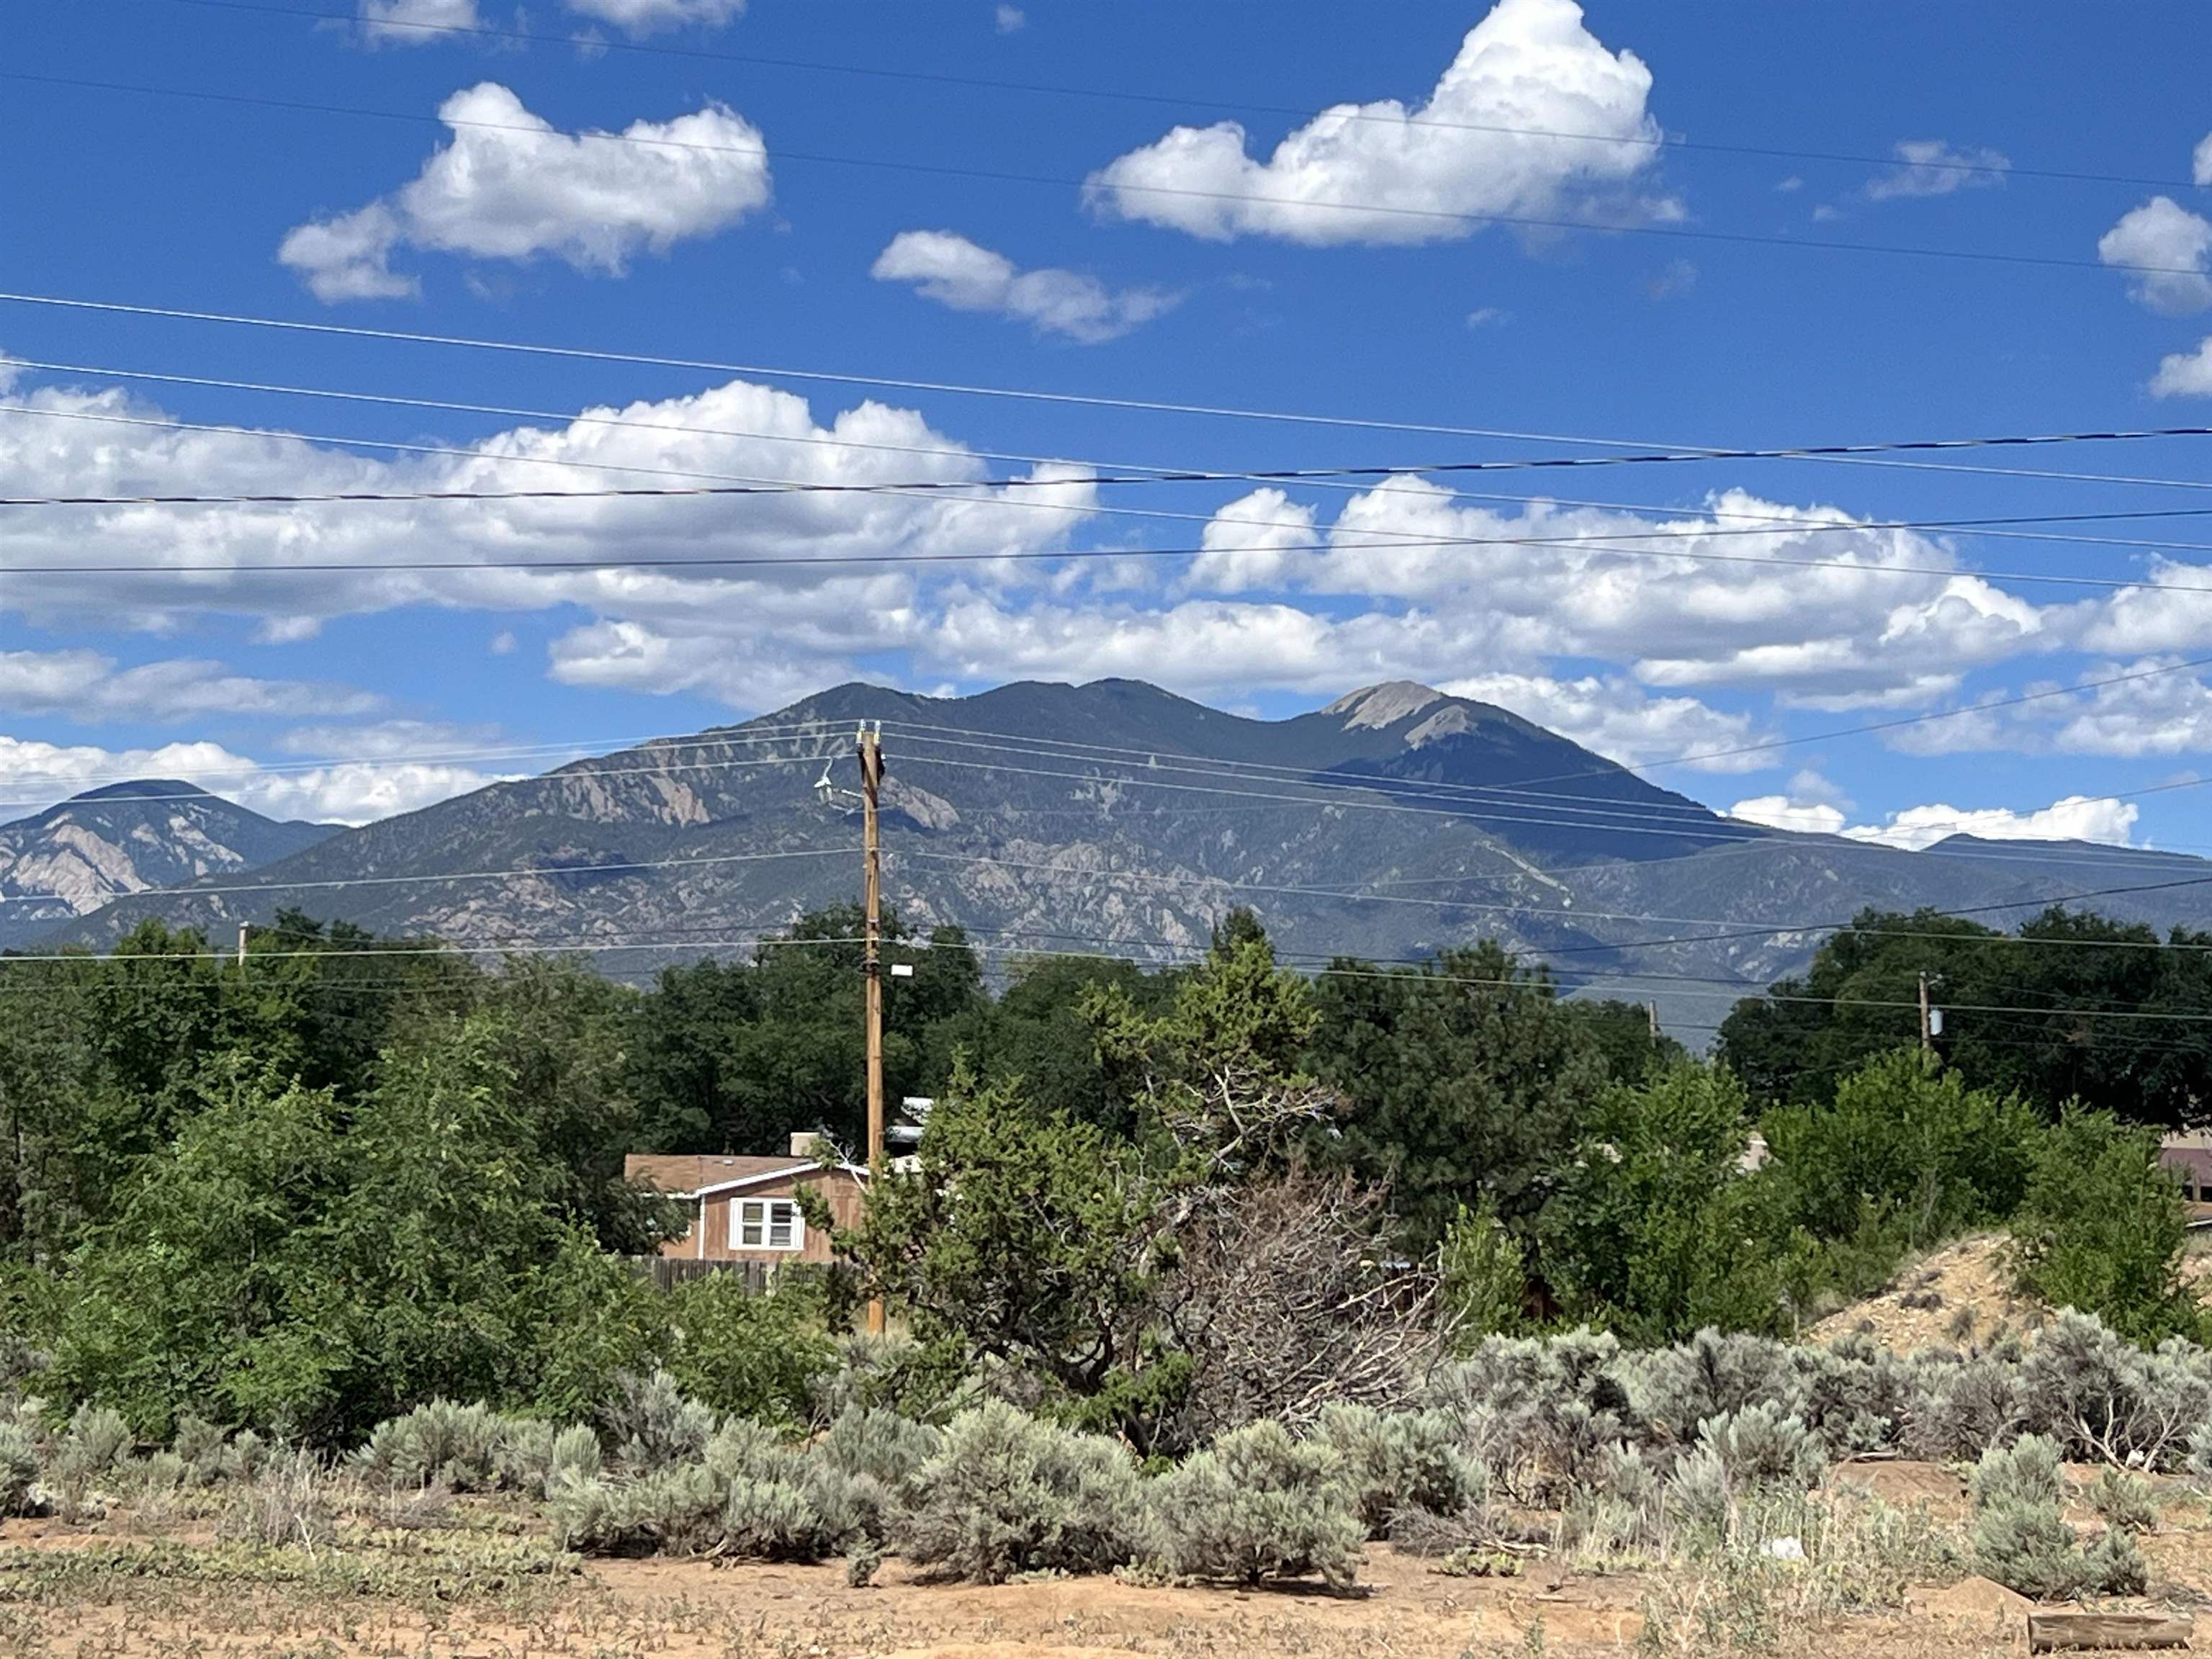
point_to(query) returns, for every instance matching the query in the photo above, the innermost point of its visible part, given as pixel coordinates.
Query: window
(767, 1224)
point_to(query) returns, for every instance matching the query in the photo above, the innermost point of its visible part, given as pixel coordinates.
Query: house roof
(685, 1174)
(690, 1175)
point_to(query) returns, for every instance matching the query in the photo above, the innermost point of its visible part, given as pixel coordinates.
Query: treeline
(352, 1175)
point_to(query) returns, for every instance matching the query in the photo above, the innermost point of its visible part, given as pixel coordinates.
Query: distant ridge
(128, 837)
(1118, 817)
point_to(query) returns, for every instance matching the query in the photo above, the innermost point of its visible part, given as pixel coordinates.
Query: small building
(2188, 1154)
(746, 1208)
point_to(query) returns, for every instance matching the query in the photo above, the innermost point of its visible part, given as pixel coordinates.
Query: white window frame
(760, 1215)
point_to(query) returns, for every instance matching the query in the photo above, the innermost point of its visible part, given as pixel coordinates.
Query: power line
(1571, 915)
(1871, 454)
(1348, 113)
(1681, 760)
(1340, 111)
(541, 872)
(1139, 405)
(1779, 526)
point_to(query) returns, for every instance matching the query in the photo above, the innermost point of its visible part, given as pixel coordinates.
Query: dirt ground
(73, 1592)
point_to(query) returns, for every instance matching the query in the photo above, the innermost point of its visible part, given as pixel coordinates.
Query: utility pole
(241, 947)
(871, 778)
(1927, 1030)
(1651, 1018)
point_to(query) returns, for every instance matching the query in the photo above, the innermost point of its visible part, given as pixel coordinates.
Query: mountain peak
(1385, 704)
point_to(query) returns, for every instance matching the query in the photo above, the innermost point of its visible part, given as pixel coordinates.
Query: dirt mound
(1973, 1601)
(1957, 1294)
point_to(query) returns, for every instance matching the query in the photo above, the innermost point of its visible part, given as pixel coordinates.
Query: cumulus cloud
(739, 430)
(650, 17)
(416, 22)
(1728, 588)
(88, 686)
(1781, 812)
(1617, 718)
(958, 273)
(1253, 542)
(510, 186)
(2203, 158)
(2078, 818)
(35, 775)
(2184, 373)
(1929, 167)
(1435, 168)
(2171, 241)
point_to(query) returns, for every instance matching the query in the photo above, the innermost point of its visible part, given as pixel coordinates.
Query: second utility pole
(871, 778)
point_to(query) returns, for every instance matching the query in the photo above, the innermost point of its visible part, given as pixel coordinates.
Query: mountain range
(1111, 816)
(130, 837)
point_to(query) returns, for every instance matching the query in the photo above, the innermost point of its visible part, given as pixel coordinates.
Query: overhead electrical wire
(784, 154)
(1779, 526)
(1343, 111)
(1086, 400)
(1325, 477)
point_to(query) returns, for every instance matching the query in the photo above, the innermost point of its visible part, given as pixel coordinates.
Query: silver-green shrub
(1257, 1505)
(1395, 1463)
(462, 1446)
(2025, 1471)
(1007, 1494)
(19, 1469)
(652, 1424)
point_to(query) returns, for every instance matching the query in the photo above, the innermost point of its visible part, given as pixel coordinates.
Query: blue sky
(774, 205)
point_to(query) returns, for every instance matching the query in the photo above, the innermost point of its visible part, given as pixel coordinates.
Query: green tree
(2102, 1229)
(1464, 1078)
(1907, 1146)
(1656, 1233)
(2019, 1011)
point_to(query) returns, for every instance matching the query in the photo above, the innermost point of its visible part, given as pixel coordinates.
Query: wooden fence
(667, 1271)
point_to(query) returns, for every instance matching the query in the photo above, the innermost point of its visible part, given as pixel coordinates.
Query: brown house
(746, 1209)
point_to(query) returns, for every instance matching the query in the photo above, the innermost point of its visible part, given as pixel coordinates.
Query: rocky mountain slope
(1116, 815)
(129, 838)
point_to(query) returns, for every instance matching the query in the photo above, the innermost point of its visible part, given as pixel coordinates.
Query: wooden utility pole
(1652, 1020)
(1927, 1033)
(872, 965)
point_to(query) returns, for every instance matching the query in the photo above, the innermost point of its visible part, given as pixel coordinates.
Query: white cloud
(88, 686)
(1731, 590)
(648, 16)
(387, 21)
(796, 614)
(510, 186)
(1617, 719)
(956, 272)
(1010, 19)
(1488, 317)
(1929, 166)
(2163, 234)
(503, 643)
(34, 774)
(1253, 542)
(1530, 65)
(2184, 373)
(1781, 812)
(2203, 159)
(2078, 818)
(416, 22)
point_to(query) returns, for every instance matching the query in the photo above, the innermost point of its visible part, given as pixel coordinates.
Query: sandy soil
(1957, 1294)
(60, 1597)
(694, 1610)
